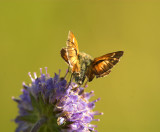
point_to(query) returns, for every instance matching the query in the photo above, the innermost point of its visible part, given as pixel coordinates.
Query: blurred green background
(32, 34)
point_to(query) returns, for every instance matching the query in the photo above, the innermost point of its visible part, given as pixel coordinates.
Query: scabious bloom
(53, 105)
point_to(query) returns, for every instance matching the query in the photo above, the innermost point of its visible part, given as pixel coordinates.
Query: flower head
(53, 105)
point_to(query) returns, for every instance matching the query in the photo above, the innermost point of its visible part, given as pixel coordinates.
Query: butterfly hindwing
(64, 54)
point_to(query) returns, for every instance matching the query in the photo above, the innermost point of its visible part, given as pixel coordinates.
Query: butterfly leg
(71, 78)
(85, 84)
(67, 71)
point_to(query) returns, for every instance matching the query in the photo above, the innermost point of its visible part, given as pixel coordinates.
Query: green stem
(38, 124)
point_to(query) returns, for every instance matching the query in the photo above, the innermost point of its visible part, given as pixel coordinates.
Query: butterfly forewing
(72, 52)
(104, 74)
(101, 65)
(72, 42)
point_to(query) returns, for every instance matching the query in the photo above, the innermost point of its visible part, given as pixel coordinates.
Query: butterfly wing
(101, 66)
(72, 52)
(64, 55)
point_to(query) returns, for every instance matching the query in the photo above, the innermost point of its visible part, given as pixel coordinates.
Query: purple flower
(53, 105)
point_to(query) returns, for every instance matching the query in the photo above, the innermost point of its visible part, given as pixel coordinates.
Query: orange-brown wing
(64, 54)
(101, 66)
(72, 52)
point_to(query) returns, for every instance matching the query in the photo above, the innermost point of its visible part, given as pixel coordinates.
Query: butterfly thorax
(85, 57)
(84, 62)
